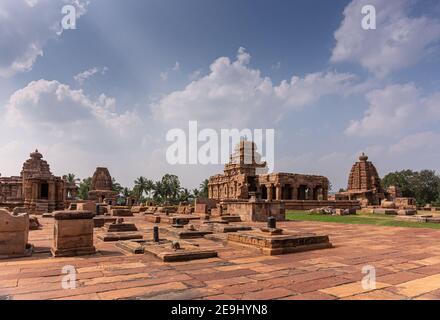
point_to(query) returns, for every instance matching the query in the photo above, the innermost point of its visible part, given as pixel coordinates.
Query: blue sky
(106, 93)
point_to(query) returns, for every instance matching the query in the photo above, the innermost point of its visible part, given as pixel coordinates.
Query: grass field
(360, 218)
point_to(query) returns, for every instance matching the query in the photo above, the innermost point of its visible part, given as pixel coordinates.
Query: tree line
(167, 190)
(422, 185)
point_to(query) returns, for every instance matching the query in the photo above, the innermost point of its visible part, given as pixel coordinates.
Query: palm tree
(116, 186)
(185, 195)
(149, 186)
(71, 178)
(141, 186)
(204, 192)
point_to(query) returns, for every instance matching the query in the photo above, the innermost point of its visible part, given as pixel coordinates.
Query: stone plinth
(166, 251)
(257, 211)
(185, 232)
(121, 213)
(276, 241)
(391, 212)
(73, 234)
(407, 212)
(14, 232)
(100, 221)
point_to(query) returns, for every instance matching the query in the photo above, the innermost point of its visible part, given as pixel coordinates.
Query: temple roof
(363, 175)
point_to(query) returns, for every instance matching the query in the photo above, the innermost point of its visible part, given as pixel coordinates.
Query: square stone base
(118, 236)
(163, 250)
(280, 244)
(182, 233)
(73, 252)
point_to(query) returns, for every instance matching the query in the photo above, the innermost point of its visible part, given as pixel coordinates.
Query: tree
(204, 191)
(424, 186)
(84, 188)
(403, 179)
(140, 187)
(71, 178)
(116, 186)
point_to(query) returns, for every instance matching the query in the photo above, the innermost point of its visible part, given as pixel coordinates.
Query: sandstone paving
(406, 260)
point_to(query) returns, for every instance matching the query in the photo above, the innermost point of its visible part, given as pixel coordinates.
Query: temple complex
(36, 189)
(364, 184)
(243, 177)
(101, 189)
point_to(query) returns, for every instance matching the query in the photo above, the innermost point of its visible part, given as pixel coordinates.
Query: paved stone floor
(407, 263)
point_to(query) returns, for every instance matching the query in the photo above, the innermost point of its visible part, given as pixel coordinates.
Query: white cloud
(25, 28)
(66, 113)
(396, 109)
(83, 76)
(399, 41)
(234, 94)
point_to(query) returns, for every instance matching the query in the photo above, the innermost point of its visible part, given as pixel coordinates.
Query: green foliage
(423, 185)
(84, 188)
(204, 189)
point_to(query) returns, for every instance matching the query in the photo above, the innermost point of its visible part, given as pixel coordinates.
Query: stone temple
(242, 177)
(101, 189)
(36, 189)
(364, 184)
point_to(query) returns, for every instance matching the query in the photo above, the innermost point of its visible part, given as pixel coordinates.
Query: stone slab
(118, 236)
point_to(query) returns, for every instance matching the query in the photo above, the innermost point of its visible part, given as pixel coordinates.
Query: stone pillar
(278, 192)
(269, 193)
(73, 234)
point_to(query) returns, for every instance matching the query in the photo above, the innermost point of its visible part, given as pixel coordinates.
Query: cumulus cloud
(234, 94)
(396, 109)
(400, 40)
(66, 113)
(25, 28)
(83, 76)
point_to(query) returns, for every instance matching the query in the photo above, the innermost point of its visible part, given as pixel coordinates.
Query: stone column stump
(73, 234)
(14, 232)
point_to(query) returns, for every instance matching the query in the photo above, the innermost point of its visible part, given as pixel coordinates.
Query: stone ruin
(14, 234)
(119, 230)
(271, 240)
(245, 174)
(363, 184)
(73, 234)
(36, 189)
(101, 189)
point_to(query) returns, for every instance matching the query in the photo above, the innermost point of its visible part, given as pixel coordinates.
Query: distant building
(364, 184)
(36, 188)
(243, 176)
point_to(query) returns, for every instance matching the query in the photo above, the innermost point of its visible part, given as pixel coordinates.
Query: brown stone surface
(407, 262)
(73, 233)
(14, 232)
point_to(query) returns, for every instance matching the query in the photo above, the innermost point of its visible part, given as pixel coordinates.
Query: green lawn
(360, 218)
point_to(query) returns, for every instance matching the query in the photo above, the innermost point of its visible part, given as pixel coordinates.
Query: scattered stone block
(14, 233)
(275, 241)
(121, 213)
(345, 212)
(119, 230)
(406, 212)
(385, 211)
(167, 250)
(73, 234)
(187, 232)
(119, 236)
(100, 221)
(34, 224)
